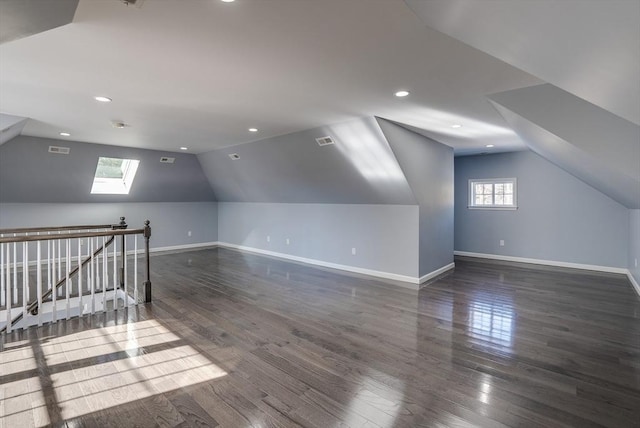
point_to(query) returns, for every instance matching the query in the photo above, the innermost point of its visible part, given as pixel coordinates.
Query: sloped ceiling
(10, 127)
(594, 145)
(588, 48)
(359, 168)
(29, 173)
(22, 18)
(200, 73)
(586, 120)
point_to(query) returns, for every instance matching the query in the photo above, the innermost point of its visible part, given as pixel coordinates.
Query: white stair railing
(48, 274)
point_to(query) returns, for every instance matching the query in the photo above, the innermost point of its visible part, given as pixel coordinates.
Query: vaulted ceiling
(199, 74)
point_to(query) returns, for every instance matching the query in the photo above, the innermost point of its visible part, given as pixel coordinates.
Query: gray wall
(428, 166)
(170, 222)
(559, 218)
(29, 173)
(359, 169)
(634, 244)
(385, 236)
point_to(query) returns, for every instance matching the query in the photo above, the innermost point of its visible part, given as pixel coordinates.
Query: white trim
(179, 247)
(633, 282)
(436, 272)
(608, 269)
(471, 198)
(411, 280)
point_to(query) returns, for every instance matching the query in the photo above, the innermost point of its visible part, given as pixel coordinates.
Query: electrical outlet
(189, 233)
(636, 262)
(353, 251)
(268, 238)
(287, 241)
(502, 242)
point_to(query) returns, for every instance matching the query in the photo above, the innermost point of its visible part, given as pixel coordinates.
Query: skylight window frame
(472, 205)
(115, 186)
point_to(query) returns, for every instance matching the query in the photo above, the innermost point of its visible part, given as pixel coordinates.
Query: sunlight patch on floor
(86, 372)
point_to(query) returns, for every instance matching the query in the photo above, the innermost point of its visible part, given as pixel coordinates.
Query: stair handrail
(120, 229)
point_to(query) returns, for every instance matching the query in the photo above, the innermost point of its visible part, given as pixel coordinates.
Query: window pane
(488, 189)
(110, 168)
(500, 199)
(508, 199)
(508, 187)
(479, 200)
(479, 188)
(499, 188)
(487, 200)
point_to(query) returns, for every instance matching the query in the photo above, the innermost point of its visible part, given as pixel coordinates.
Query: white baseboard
(633, 282)
(608, 269)
(182, 247)
(436, 272)
(405, 281)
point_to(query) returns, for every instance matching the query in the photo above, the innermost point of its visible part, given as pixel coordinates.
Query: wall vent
(135, 3)
(59, 150)
(234, 156)
(325, 141)
(165, 159)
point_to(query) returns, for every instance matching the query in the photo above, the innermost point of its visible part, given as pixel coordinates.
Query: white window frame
(116, 186)
(493, 181)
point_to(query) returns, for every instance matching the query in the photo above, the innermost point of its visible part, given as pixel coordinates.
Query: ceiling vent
(59, 150)
(234, 156)
(135, 3)
(325, 141)
(165, 159)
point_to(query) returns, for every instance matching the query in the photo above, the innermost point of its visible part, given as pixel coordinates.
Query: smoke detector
(234, 156)
(118, 124)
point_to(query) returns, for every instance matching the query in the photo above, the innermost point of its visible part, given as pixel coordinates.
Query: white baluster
(15, 272)
(105, 268)
(135, 269)
(25, 283)
(68, 284)
(80, 308)
(115, 272)
(2, 291)
(39, 282)
(93, 276)
(125, 279)
(9, 311)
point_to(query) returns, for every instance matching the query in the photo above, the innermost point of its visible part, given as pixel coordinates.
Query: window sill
(493, 208)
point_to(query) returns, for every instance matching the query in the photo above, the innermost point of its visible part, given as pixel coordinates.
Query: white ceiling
(200, 73)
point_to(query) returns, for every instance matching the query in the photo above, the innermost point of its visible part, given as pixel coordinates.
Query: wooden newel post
(147, 283)
(122, 225)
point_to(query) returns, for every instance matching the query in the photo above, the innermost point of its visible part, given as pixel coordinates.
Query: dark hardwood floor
(240, 340)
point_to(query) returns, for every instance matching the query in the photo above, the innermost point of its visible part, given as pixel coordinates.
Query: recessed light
(184, 148)
(253, 129)
(102, 99)
(456, 125)
(228, 1)
(401, 94)
(489, 145)
(65, 134)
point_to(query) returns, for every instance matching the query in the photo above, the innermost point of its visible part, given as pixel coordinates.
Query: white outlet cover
(353, 251)
(268, 238)
(287, 241)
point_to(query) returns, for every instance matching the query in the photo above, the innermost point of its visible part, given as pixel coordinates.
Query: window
(495, 193)
(114, 176)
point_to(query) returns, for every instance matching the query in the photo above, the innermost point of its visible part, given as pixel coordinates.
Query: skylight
(114, 176)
